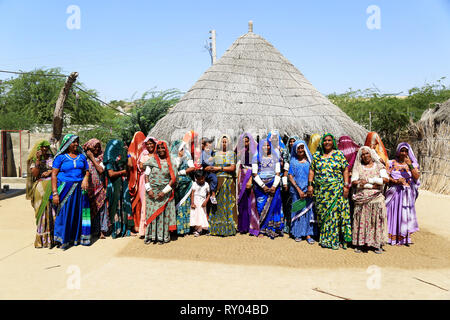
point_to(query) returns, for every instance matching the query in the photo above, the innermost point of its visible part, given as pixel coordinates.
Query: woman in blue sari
(303, 223)
(70, 176)
(266, 175)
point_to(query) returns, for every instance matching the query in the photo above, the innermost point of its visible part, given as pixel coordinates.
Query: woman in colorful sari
(303, 222)
(134, 150)
(160, 180)
(314, 142)
(369, 219)
(285, 194)
(223, 218)
(118, 197)
(184, 165)
(39, 165)
(373, 141)
(194, 146)
(148, 150)
(329, 173)
(97, 191)
(70, 182)
(266, 174)
(401, 196)
(248, 220)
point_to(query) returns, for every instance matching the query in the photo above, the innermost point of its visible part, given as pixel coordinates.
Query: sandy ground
(240, 267)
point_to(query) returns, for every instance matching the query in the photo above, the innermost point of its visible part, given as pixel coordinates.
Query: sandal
(298, 239)
(378, 251)
(196, 234)
(357, 250)
(310, 240)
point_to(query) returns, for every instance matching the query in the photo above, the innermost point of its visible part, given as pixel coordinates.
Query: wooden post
(59, 110)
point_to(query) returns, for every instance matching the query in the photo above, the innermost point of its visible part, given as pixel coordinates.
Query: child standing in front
(199, 199)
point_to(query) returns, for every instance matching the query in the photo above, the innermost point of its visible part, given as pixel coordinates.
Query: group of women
(333, 192)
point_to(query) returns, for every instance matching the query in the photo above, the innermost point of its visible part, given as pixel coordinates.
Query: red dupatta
(134, 150)
(172, 179)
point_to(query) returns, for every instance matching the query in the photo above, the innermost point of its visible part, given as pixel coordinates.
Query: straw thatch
(430, 139)
(253, 88)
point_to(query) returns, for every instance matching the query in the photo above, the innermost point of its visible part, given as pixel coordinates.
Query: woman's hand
(310, 191)
(38, 155)
(408, 161)
(160, 196)
(55, 200)
(204, 204)
(193, 205)
(362, 182)
(301, 193)
(272, 190)
(266, 189)
(346, 190)
(89, 154)
(151, 195)
(46, 174)
(85, 184)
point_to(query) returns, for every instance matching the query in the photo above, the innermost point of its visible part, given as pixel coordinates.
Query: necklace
(74, 160)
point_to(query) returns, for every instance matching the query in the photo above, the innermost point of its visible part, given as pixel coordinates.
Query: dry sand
(240, 267)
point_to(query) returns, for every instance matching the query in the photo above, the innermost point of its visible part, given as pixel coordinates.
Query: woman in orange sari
(373, 141)
(134, 151)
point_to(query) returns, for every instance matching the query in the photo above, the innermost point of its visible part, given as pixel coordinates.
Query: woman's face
(403, 153)
(44, 151)
(224, 144)
(181, 153)
(301, 151)
(74, 146)
(161, 150)
(328, 143)
(266, 148)
(150, 144)
(246, 142)
(97, 150)
(366, 157)
(291, 143)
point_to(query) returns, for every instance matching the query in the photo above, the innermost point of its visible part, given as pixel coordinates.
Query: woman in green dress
(329, 183)
(39, 165)
(159, 183)
(184, 165)
(223, 218)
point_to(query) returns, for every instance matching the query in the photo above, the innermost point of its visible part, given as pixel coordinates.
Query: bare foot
(102, 236)
(260, 235)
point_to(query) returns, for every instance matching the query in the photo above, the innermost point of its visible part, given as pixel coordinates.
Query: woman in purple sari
(248, 220)
(401, 196)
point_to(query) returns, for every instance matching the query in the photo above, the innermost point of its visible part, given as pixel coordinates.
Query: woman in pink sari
(148, 150)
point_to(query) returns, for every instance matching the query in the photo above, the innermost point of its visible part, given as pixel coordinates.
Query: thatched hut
(254, 88)
(430, 139)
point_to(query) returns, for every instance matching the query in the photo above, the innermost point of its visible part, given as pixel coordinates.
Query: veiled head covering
(37, 146)
(294, 151)
(219, 146)
(274, 153)
(175, 148)
(240, 147)
(320, 147)
(410, 153)
(66, 142)
(169, 162)
(91, 144)
(194, 147)
(349, 148)
(373, 140)
(276, 141)
(314, 142)
(357, 167)
(115, 153)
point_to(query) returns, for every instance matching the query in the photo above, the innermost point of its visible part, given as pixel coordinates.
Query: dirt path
(240, 267)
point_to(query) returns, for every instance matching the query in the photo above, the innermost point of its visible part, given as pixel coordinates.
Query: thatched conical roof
(254, 88)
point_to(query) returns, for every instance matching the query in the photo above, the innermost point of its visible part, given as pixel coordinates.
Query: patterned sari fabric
(134, 150)
(161, 216)
(39, 194)
(97, 192)
(401, 199)
(72, 215)
(373, 141)
(183, 187)
(223, 219)
(144, 156)
(333, 210)
(117, 193)
(303, 222)
(314, 142)
(269, 206)
(369, 219)
(248, 220)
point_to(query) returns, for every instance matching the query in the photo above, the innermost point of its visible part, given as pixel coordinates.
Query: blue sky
(124, 48)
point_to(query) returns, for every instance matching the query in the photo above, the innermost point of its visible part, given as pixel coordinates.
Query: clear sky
(127, 47)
